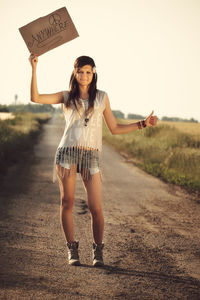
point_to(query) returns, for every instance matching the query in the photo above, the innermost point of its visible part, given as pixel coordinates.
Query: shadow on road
(153, 275)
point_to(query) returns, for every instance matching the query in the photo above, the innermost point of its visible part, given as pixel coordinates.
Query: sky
(146, 53)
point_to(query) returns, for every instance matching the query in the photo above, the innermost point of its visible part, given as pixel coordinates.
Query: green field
(170, 151)
(17, 135)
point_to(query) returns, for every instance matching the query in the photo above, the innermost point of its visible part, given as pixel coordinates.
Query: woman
(80, 147)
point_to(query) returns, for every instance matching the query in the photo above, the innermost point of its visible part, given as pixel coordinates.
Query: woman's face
(84, 75)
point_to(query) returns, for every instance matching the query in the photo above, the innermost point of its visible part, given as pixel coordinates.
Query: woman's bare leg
(93, 187)
(67, 191)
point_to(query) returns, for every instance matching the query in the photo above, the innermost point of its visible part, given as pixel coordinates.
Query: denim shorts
(82, 158)
(92, 170)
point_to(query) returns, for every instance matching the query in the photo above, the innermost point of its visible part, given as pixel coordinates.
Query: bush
(4, 108)
(163, 151)
(16, 137)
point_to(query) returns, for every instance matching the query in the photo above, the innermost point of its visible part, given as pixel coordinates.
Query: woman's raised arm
(41, 98)
(116, 128)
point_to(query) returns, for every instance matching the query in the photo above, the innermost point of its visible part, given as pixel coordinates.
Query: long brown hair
(74, 93)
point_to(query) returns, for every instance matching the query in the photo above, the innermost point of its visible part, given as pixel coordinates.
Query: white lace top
(80, 135)
(76, 134)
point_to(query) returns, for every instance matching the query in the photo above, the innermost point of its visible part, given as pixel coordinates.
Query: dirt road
(152, 234)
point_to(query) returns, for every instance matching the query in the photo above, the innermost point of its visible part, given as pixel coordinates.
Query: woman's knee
(67, 202)
(95, 211)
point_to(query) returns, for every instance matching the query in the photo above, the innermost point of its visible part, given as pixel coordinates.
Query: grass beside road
(17, 136)
(170, 151)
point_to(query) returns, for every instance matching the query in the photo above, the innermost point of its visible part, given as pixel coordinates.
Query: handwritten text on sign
(49, 32)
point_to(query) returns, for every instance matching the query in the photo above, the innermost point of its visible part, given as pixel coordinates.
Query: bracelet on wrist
(139, 125)
(144, 124)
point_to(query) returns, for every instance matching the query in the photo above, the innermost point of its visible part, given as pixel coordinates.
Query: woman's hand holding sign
(33, 60)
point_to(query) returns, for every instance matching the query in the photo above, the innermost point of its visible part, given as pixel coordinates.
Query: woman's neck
(84, 92)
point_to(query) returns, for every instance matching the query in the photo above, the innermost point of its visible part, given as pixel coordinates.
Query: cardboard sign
(49, 32)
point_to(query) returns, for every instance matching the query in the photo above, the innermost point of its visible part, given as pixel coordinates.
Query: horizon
(125, 114)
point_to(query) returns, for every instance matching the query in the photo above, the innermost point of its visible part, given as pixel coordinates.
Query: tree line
(121, 115)
(49, 108)
(27, 108)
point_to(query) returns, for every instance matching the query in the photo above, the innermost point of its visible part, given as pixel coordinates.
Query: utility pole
(16, 97)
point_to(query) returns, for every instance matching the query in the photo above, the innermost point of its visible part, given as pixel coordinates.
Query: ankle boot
(73, 253)
(97, 251)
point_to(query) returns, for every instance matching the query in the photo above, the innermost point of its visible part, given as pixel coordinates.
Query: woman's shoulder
(101, 95)
(101, 99)
(101, 92)
(65, 92)
(65, 96)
